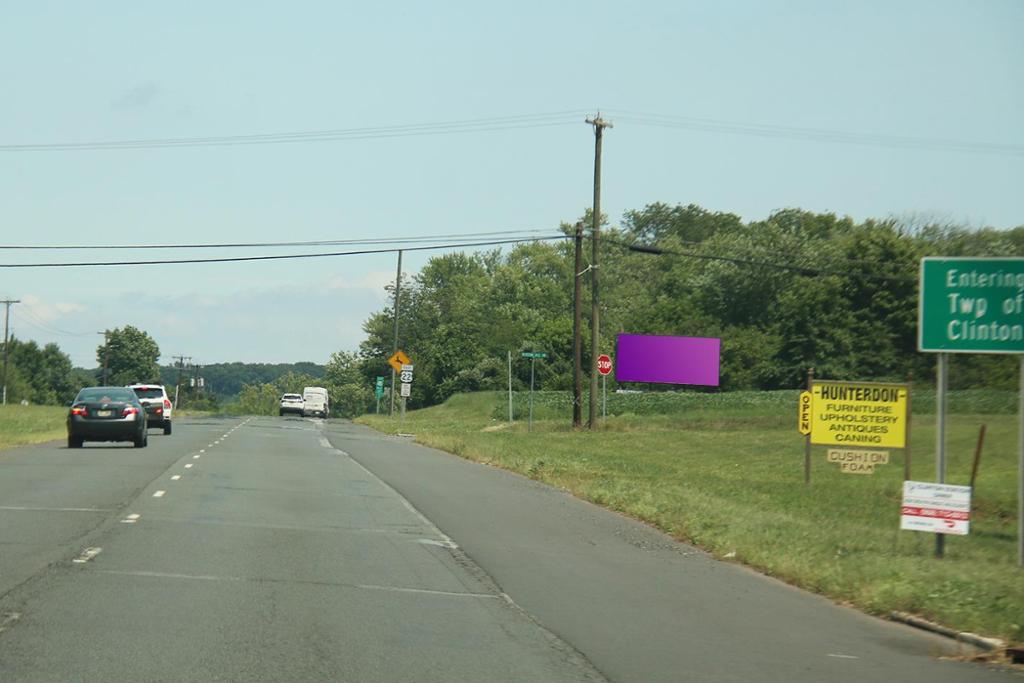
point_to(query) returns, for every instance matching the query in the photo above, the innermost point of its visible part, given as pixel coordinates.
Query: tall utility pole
(7, 321)
(106, 353)
(577, 331)
(599, 125)
(398, 292)
(181, 369)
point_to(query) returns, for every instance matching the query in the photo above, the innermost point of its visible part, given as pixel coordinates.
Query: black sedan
(106, 414)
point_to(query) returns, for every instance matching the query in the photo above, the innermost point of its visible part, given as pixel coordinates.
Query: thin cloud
(138, 96)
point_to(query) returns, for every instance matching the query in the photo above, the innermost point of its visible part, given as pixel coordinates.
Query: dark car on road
(106, 414)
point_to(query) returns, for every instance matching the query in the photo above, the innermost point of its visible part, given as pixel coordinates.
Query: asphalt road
(282, 549)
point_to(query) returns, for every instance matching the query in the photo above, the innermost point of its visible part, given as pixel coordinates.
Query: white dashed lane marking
(188, 466)
(159, 494)
(87, 555)
(195, 457)
(131, 519)
(176, 477)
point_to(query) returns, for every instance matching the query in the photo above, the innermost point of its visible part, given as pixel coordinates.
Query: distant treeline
(227, 379)
(793, 291)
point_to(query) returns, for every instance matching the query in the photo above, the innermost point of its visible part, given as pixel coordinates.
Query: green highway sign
(534, 354)
(379, 387)
(971, 305)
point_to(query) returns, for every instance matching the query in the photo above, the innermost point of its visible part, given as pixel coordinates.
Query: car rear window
(110, 394)
(291, 397)
(148, 392)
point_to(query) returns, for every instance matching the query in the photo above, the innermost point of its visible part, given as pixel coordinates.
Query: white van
(315, 402)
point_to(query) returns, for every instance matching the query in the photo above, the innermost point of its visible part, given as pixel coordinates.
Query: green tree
(39, 375)
(131, 356)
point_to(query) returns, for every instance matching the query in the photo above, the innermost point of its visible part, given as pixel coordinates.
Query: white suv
(291, 403)
(154, 399)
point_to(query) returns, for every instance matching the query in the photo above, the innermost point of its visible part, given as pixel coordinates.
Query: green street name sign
(971, 305)
(534, 354)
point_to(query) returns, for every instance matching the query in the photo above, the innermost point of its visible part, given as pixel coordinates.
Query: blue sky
(133, 70)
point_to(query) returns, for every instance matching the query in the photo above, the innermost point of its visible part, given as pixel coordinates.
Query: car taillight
(159, 411)
(167, 403)
(129, 410)
(79, 410)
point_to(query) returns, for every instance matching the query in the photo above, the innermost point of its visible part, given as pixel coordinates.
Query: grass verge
(727, 474)
(21, 425)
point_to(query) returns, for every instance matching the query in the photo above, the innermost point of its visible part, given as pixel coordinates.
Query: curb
(974, 639)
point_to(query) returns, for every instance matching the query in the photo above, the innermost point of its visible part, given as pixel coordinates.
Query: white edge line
(18, 508)
(409, 506)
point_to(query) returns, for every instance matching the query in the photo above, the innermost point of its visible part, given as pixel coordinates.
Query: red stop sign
(604, 364)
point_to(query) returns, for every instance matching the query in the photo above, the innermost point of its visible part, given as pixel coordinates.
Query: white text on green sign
(972, 305)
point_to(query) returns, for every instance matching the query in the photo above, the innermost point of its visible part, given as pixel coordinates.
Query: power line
(310, 243)
(815, 134)
(26, 317)
(513, 122)
(279, 257)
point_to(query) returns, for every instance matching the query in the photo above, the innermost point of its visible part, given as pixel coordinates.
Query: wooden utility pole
(577, 331)
(7, 320)
(599, 125)
(398, 293)
(106, 354)
(181, 369)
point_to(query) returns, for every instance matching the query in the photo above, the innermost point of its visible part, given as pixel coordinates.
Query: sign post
(604, 366)
(533, 356)
(972, 305)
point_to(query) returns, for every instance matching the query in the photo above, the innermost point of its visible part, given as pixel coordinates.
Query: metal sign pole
(604, 397)
(1020, 471)
(941, 380)
(533, 362)
(510, 387)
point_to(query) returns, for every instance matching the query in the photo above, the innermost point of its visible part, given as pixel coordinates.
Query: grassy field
(20, 425)
(725, 471)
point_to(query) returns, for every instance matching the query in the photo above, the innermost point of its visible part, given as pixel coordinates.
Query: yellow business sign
(859, 414)
(853, 461)
(803, 423)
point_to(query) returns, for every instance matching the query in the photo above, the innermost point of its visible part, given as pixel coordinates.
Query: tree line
(793, 291)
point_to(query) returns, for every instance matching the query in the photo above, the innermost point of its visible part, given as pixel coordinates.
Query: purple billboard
(668, 360)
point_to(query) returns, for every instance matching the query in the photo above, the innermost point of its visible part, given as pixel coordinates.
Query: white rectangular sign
(406, 389)
(938, 508)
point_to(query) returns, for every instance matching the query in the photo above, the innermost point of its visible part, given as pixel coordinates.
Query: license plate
(104, 413)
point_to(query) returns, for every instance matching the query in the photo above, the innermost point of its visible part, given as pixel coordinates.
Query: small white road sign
(938, 508)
